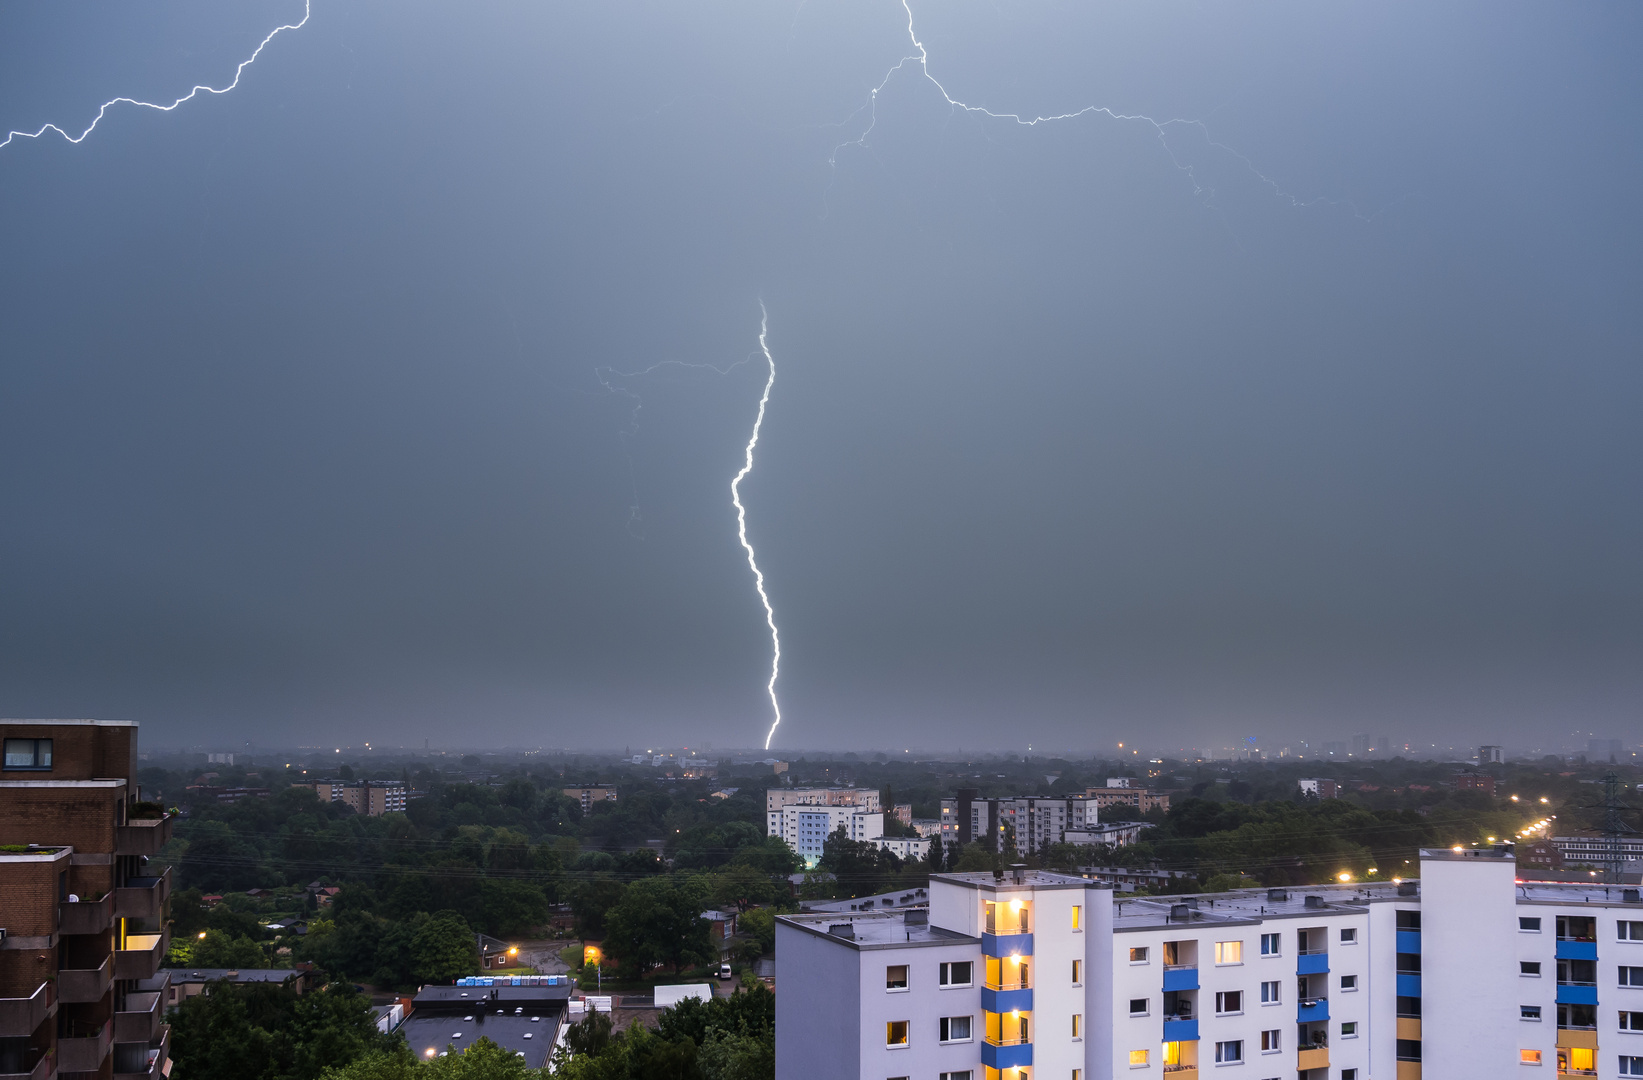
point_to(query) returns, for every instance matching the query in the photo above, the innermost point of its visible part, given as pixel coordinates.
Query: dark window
(1528, 1012)
(1409, 920)
(1409, 1006)
(1138, 1005)
(1530, 925)
(895, 977)
(1528, 967)
(1409, 963)
(955, 1028)
(28, 753)
(956, 974)
(1409, 1049)
(1229, 1001)
(1631, 976)
(1576, 928)
(1577, 1016)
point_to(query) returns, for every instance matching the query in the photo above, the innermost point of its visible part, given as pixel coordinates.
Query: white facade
(1465, 975)
(1031, 822)
(904, 847)
(806, 827)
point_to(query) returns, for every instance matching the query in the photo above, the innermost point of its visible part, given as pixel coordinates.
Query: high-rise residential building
(1026, 823)
(1465, 974)
(1491, 755)
(806, 827)
(83, 926)
(372, 798)
(777, 799)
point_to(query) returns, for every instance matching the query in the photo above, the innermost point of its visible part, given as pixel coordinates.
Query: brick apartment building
(84, 923)
(373, 798)
(588, 794)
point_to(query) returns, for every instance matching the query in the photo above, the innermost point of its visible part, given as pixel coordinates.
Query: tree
(443, 949)
(267, 1032)
(658, 922)
(221, 950)
(590, 900)
(760, 924)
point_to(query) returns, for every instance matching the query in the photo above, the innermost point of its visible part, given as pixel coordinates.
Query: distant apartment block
(904, 847)
(1371, 746)
(373, 798)
(776, 800)
(1028, 822)
(1491, 755)
(1320, 787)
(588, 794)
(1127, 791)
(903, 812)
(1466, 974)
(806, 827)
(84, 925)
(219, 759)
(1600, 851)
(1473, 781)
(1602, 749)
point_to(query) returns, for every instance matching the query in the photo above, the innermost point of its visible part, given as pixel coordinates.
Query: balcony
(20, 1016)
(142, 836)
(1000, 1000)
(1312, 1057)
(142, 956)
(152, 1059)
(1409, 1028)
(1312, 963)
(139, 1021)
(77, 986)
(1180, 977)
(1576, 950)
(1409, 941)
(1409, 1070)
(143, 897)
(44, 1068)
(1180, 1029)
(1582, 1038)
(86, 916)
(1581, 993)
(1181, 1072)
(1000, 945)
(1006, 1055)
(1312, 1010)
(85, 1053)
(1409, 984)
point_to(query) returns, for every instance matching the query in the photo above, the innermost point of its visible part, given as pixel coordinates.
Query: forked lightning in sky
(307, 10)
(741, 527)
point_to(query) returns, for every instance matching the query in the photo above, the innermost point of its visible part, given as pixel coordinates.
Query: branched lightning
(921, 57)
(307, 10)
(741, 527)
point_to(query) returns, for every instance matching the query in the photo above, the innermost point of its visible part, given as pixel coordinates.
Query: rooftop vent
(916, 917)
(1018, 873)
(1315, 902)
(1408, 888)
(844, 930)
(1631, 896)
(1180, 913)
(1277, 896)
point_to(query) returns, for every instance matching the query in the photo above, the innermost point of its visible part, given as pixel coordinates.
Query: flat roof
(1575, 892)
(68, 723)
(529, 1035)
(492, 997)
(239, 975)
(877, 930)
(1030, 879)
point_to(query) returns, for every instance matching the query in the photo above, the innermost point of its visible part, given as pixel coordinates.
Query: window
(895, 1033)
(28, 753)
(1140, 1058)
(1349, 1074)
(1528, 926)
(958, 973)
(1629, 931)
(1349, 982)
(1349, 1029)
(1229, 1001)
(955, 1029)
(1631, 976)
(1409, 1007)
(1630, 1021)
(1229, 952)
(1269, 993)
(1580, 1059)
(1078, 1025)
(1529, 968)
(895, 977)
(963, 1074)
(1271, 1041)
(1408, 920)
(1078, 918)
(1138, 1006)
(1631, 1066)
(1138, 956)
(1409, 1049)
(1269, 945)
(1349, 935)
(1078, 973)
(1528, 1057)
(1532, 1012)
(1229, 1051)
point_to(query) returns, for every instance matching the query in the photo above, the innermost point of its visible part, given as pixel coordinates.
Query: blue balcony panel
(1006, 944)
(1181, 979)
(1006, 1057)
(1313, 964)
(1180, 1030)
(1003, 1001)
(1409, 985)
(1312, 1014)
(1409, 941)
(1576, 995)
(1577, 950)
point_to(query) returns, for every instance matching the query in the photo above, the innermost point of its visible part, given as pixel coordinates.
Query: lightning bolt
(921, 57)
(307, 10)
(741, 527)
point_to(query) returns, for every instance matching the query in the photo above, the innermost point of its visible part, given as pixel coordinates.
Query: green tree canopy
(443, 949)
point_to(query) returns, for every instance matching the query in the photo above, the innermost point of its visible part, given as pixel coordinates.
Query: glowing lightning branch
(741, 528)
(307, 10)
(921, 57)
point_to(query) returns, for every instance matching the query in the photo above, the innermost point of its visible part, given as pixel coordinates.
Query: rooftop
(493, 997)
(529, 1035)
(238, 975)
(877, 929)
(1018, 879)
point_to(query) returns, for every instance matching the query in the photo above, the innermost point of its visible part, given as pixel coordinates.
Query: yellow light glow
(1544, 799)
(428, 1052)
(1458, 848)
(1397, 881)
(1371, 870)
(513, 950)
(1343, 876)
(1015, 905)
(202, 935)
(1514, 798)
(1491, 840)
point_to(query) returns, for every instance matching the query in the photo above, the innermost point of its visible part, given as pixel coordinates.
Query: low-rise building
(1320, 787)
(1130, 794)
(525, 1020)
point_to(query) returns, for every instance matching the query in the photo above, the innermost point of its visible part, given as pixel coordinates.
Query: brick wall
(82, 817)
(28, 895)
(82, 751)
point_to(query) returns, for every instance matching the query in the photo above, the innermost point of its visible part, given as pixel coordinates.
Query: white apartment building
(776, 799)
(1040, 975)
(904, 847)
(806, 827)
(1032, 822)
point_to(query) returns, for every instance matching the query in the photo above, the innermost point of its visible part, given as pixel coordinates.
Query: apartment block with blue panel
(1408, 1044)
(1007, 988)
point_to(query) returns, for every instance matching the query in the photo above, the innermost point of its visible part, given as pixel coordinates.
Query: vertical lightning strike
(307, 10)
(741, 527)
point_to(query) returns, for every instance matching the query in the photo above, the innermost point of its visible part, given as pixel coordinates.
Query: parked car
(725, 972)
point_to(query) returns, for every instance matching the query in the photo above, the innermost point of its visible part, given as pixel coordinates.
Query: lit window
(1078, 1025)
(1078, 918)
(1139, 1058)
(1582, 1059)
(1229, 952)
(895, 1033)
(28, 753)
(1138, 956)
(1078, 972)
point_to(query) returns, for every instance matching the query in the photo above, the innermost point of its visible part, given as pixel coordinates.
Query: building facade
(588, 794)
(1466, 974)
(778, 799)
(806, 827)
(1027, 823)
(372, 798)
(84, 923)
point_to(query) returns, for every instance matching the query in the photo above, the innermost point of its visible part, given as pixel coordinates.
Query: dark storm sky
(1325, 421)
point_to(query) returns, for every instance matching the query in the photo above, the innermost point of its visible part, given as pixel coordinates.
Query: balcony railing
(80, 986)
(44, 1066)
(1576, 982)
(143, 897)
(20, 1016)
(139, 1021)
(142, 836)
(1180, 967)
(86, 1053)
(1007, 1040)
(151, 1060)
(1312, 952)
(86, 916)
(142, 956)
(1008, 984)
